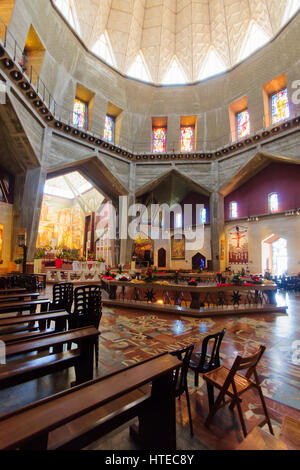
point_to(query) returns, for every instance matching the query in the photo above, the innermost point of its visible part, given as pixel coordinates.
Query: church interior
(150, 225)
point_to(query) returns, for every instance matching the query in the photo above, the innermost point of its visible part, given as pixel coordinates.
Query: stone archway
(198, 261)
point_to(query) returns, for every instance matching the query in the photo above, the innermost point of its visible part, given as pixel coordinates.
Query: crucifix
(238, 236)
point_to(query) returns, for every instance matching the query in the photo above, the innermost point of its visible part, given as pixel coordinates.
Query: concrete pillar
(33, 191)
(126, 243)
(217, 228)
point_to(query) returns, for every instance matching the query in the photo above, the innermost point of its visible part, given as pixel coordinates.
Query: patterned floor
(128, 337)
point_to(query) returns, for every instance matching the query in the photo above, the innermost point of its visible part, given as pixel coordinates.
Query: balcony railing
(134, 146)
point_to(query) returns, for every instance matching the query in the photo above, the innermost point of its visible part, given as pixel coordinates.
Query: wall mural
(60, 226)
(178, 248)
(143, 246)
(238, 245)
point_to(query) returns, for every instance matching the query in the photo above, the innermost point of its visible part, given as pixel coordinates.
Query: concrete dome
(175, 41)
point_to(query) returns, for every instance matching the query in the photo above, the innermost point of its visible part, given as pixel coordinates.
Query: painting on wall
(1, 241)
(178, 248)
(143, 246)
(60, 226)
(238, 245)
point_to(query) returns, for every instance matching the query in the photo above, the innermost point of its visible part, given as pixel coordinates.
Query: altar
(193, 300)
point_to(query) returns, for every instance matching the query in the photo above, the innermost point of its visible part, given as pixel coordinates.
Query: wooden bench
(19, 296)
(18, 371)
(31, 426)
(59, 317)
(12, 290)
(20, 306)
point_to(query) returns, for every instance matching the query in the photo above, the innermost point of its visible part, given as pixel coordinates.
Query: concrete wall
(67, 63)
(6, 219)
(287, 227)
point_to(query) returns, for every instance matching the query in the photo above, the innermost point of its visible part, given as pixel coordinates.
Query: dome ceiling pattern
(187, 34)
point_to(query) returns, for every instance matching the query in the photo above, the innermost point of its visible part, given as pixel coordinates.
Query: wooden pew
(12, 290)
(20, 306)
(59, 317)
(28, 368)
(19, 296)
(31, 426)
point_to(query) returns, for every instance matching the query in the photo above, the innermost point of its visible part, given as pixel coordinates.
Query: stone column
(217, 228)
(31, 191)
(126, 244)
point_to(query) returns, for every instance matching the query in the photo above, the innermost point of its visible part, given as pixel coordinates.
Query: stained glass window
(203, 215)
(280, 106)
(273, 202)
(159, 135)
(109, 129)
(233, 210)
(243, 124)
(80, 113)
(187, 138)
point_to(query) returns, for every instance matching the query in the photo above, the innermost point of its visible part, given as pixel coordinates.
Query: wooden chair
(87, 309)
(233, 385)
(202, 362)
(180, 378)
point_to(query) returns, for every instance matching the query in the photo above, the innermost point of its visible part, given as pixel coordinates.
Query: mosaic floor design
(129, 337)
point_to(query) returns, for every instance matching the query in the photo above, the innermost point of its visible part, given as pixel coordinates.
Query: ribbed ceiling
(194, 38)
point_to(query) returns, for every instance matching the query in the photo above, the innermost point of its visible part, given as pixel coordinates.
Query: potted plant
(18, 262)
(38, 260)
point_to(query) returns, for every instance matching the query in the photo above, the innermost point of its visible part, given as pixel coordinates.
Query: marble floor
(128, 337)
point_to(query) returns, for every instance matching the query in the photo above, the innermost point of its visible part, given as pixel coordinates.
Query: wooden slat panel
(56, 411)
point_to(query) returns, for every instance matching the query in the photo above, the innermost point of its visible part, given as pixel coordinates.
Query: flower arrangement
(236, 280)
(18, 261)
(39, 253)
(108, 272)
(120, 269)
(101, 260)
(150, 275)
(255, 279)
(193, 282)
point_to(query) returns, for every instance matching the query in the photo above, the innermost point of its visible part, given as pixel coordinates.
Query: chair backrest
(214, 342)
(87, 306)
(241, 363)
(180, 375)
(63, 295)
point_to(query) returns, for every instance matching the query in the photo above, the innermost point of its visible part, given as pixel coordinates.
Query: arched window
(273, 202)
(233, 210)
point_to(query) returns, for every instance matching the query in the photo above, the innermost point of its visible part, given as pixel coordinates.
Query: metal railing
(66, 116)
